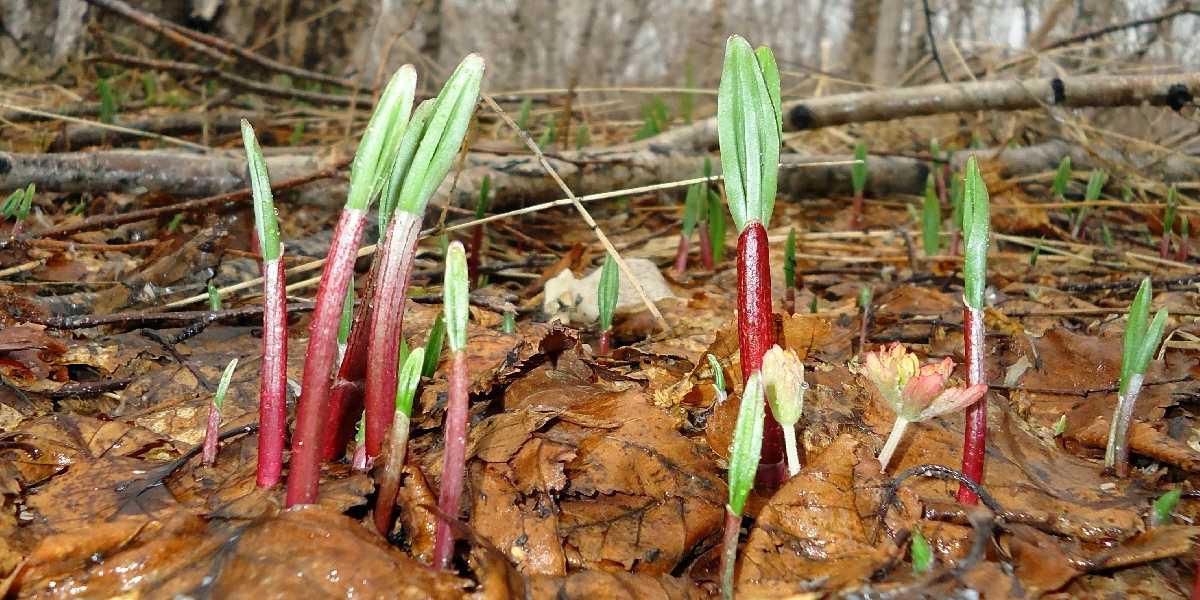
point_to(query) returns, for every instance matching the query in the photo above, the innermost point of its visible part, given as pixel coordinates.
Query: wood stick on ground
(102, 127)
(82, 134)
(1174, 91)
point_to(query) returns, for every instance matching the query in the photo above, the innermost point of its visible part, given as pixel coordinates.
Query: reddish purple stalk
(729, 543)
(756, 334)
(681, 256)
(975, 426)
(454, 459)
(706, 251)
(856, 215)
(389, 476)
(604, 345)
(272, 399)
(211, 432)
(862, 331)
(345, 400)
(387, 321)
(1164, 245)
(305, 471)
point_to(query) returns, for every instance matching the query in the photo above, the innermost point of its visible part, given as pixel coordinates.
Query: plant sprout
(783, 381)
(913, 392)
(1062, 178)
(921, 552)
(693, 205)
(212, 430)
(523, 113)
(16, 207)
(956, 205)
(1182, 251)
(716, 226)
(858, 178)
(789, 271)
(583, 136)
(368, 173)
(931, 220)
(423, 159)
(1095, 185)
(389, 477)
(718, 375)
(865, 295)
(707, 214)
(1142, 338)
(272, 395)
(509, 322)
(1164, 505)
(976, 236)
(749, 124)
(455, 296)
(108, 101)
(214, 297)
(744, 455)
(606, 298)
(1168, 222)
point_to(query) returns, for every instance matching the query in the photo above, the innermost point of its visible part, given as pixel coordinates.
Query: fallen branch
(1174, 91)
(82, 135)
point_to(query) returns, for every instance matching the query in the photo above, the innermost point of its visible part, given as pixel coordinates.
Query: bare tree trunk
(887, 42)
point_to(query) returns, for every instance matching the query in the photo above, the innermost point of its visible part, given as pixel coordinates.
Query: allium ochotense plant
(718, 375)
(976, 232)
(434, 342)
(931, 220)
(393, 461)
(1168, 222)
(1095, 185)
(783, 381)
(749, 128)
(858, 179)
(1062, 177)
(272, 395)
(607, 292)
(212, 429)
(424, 157)
(455, 297)
(921, 552)
(1142, 337)
(16, 207)
(368, 174)
(693, 206)
(1164, 506)
(914, 393)
(744, 456)
(956, 203)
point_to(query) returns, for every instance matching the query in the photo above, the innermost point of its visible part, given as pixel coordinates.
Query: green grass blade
(1135, 331)
(931, 219)
(223, 386)
(433, 347)
(607, 292)
(858, 170)
(265, 217)
(976, 234)
(408, 379)
(456, 297)
(1061, 179)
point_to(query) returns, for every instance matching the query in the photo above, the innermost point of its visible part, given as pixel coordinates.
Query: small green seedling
(1062, 178)
(858, 179)
(1095, 186)
(931, 220)
(744, 455)
(1142, 338)
(509, 324)
(1164, 506)
(523, 113)
(694, 206)
(455, 307)
(1168, 222)
(1060, 426)
(921, 552)
(17, 205)
(583, 136)
(718, 375)
(108, 101)
(607, 293)
(716, 216)
(549, 134)
(976, 235)
(214, 297)
(213, 428)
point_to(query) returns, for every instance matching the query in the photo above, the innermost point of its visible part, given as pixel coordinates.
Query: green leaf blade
(456, 297)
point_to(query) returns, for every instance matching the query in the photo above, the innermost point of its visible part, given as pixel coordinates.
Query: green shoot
(1142, 338)
(433, 347)
(213, 428)
(606, 297)
(108, 101)
(976, 235)
(297, 134)
(931, 220)
(457, 297)
(789, 260)
(523, 113)
(549, 134)
(377, 150)
(716, 225)
(744, 456)
(718, 375)
(583, 136)
(509, 324)
(921, 552)
(858, 171)
(214, 298)
(1106, 235)
(18, 203)
(1060, 426)
(1164, 506)
(175, 222)
(1062, 178)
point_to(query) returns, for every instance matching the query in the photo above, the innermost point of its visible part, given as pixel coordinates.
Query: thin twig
(933, 41)
(126, 130)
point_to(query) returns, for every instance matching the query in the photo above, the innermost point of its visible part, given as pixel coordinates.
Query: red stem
(359, 462)
(454, 459)
(706, 251)
(387, 322)
(955, 242)
(475, 254)
(389, 476)
(272, 398)
(1164, 244)
(975, 428)
(211, 431)
(756, 334)
(729, 542)
(1181, 251)
(939, 178)
(681, 256)
(862, 331)
(604, 345)
(856, 216)
(1196, 584)
(345, 402)
(304, 473)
